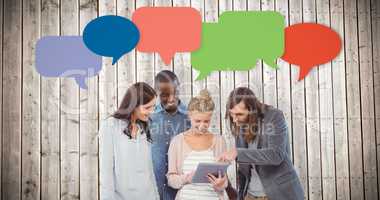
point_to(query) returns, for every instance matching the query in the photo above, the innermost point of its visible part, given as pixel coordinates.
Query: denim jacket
(164, 126)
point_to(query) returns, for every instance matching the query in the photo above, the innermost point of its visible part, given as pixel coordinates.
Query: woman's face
(239, 114)
(143, 112)
(200, 120)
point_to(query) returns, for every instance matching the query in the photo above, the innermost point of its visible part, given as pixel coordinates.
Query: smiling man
(169, 119)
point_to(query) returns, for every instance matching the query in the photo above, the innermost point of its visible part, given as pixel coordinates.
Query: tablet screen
(200, 175)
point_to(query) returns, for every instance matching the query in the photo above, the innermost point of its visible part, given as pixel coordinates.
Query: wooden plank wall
(49, 144)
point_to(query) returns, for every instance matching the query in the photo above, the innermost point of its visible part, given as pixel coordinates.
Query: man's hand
(228, 156)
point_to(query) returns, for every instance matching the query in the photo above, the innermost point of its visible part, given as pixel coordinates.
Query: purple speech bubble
(66, 56)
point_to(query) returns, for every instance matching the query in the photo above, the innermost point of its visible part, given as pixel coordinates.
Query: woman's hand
(228, 156)
(189, 177)
(218, 183)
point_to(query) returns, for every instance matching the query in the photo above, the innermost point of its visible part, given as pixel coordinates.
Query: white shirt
(255, 187)
(198, 191)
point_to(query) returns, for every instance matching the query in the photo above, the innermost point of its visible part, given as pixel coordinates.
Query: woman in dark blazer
(262, 151)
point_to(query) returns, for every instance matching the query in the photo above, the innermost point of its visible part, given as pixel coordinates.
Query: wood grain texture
(12, 90)
(49, 126)
(300, 148)
(69, 112)
(31, 157)
(50, 116)
(89, 113)
(339, 108)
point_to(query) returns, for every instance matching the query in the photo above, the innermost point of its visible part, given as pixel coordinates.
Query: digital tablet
(200, 175)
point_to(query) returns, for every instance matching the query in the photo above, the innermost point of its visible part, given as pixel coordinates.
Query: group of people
(152, 144)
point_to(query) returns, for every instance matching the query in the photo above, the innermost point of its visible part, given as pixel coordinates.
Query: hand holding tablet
(203, 169)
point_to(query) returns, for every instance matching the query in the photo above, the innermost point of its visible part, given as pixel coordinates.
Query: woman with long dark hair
(262, 153)
(126, 169)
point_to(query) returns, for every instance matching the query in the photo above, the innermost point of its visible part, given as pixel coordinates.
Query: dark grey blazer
(271, 158)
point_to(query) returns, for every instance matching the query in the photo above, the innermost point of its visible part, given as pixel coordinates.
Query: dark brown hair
(255, 108)
(138, 94)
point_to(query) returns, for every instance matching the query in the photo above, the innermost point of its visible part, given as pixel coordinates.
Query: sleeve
(106, 157)
(275, 153)
(175, 179)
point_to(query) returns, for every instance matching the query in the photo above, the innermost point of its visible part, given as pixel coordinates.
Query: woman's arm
(275, 153)
(175, 178)
(106, 156)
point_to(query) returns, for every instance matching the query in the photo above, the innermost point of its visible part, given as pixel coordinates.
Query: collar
(181, 107)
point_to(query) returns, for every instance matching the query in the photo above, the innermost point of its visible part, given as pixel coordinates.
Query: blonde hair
(201, 103)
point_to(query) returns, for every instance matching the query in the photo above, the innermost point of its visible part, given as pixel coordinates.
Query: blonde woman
(192, 147)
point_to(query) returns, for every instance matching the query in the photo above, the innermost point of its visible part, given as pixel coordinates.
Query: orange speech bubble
(309, 44)
(168, 30)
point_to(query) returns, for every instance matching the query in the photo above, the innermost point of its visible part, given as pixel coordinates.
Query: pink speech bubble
(168, 30)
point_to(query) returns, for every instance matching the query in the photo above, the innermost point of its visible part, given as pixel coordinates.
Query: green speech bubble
(238, 41)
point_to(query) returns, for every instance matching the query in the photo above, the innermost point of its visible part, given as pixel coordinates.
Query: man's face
(239, 114)
(168, 96)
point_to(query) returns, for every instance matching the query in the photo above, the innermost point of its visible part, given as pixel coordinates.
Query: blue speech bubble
(66, 56)
(111, 36)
